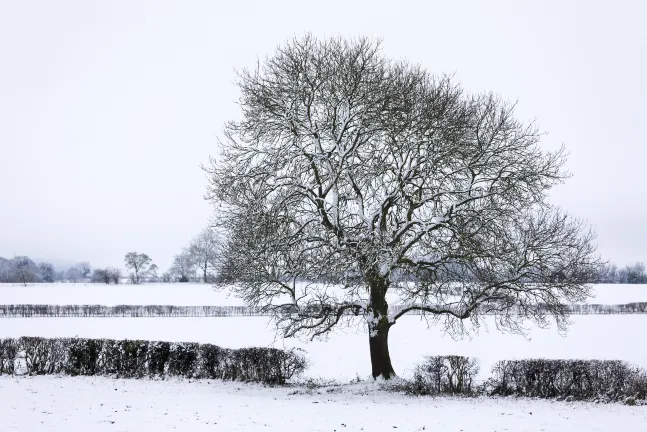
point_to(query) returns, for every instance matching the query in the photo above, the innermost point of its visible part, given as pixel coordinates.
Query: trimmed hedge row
(139, 358)
(450, 374)
(124, 311)
(136, 311)
(611, 380)
(601, 380)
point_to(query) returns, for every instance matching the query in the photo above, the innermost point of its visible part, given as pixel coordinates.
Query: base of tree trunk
(380, 358)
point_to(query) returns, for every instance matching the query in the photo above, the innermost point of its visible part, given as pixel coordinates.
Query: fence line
(170, 311)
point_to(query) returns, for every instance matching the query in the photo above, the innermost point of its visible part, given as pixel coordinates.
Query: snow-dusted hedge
(449, 374)
(124, 311)
(134, 311)
(138, 358)
(609, 380)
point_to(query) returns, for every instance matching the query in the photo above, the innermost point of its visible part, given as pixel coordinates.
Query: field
(101, 404)
(105, 404)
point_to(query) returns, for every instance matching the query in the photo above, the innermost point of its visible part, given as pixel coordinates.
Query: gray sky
(107, 109)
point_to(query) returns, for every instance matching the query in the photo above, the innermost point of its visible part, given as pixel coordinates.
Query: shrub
(580, 379)
(8, 354)
(138, 358)
(449, 374)
(183, 358)
(44, 356)
(83, 356)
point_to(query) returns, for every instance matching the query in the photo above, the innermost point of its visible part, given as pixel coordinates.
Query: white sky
(108, 109)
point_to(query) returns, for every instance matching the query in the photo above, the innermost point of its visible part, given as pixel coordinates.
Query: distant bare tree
(114, 274)
(25, 269)
(167, 277)
(84, 269)
(101, 276)
(73, 274)
(183, 266)
(47, 272)
(107, 275)
(636, 273)
(204, 252)
(140, 264)
(374, 176)
(5, 270)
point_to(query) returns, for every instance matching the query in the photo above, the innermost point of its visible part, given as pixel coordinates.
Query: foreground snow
(103, 404)
(202, 294)
(345, 354)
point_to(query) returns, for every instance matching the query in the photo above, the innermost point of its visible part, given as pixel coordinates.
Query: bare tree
(114, 274)
(204, 252)
(25, 269)
(373, 177)
(73, 274)
(636, 273)
(101, 276)
(5, 270)
(47, 272)
(84, 269)
(140, 264)
(183, 266)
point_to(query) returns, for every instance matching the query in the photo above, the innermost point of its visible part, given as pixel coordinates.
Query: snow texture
(101, 404)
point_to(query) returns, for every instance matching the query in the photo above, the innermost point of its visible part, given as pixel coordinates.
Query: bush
(44, 356)
(83, 356)
(8, 354)
(138, 358)
(183, 359)
(449, 374)
(610, 380)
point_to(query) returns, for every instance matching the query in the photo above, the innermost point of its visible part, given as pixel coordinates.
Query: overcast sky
(108, 109)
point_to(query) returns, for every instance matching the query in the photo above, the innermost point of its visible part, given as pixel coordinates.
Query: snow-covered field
(179, 294)
(101, 404)
(345, 354)
(201, 294)
(97, 404)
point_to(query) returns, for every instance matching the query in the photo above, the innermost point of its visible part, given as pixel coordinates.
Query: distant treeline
(152, 311)
(629, 274)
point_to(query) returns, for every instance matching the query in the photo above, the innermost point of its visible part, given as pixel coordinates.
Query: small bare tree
(204, 252)
(354, 185)
(25, 269)
(47, 272)
(183, 266)
(140, 264)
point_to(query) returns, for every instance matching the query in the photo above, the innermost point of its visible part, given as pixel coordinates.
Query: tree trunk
(378, 329)
(379, 345)
(204, 275)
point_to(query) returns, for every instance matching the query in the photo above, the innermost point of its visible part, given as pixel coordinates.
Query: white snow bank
(100, 404)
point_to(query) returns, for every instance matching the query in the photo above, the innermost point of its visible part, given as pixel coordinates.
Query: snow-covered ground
(345, 354)
(179, 294)
(201, 294)
(100, 404)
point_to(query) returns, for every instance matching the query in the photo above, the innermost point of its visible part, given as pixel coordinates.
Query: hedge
(139, 358)
(450, 374)
(610, 380)
(136, 311)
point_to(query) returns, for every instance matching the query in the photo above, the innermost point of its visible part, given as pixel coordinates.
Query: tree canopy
(355, 185)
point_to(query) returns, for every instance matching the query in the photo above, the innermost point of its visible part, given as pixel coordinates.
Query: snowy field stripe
(100, 404)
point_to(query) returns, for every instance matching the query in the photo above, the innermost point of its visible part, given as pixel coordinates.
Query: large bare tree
(357, 186)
